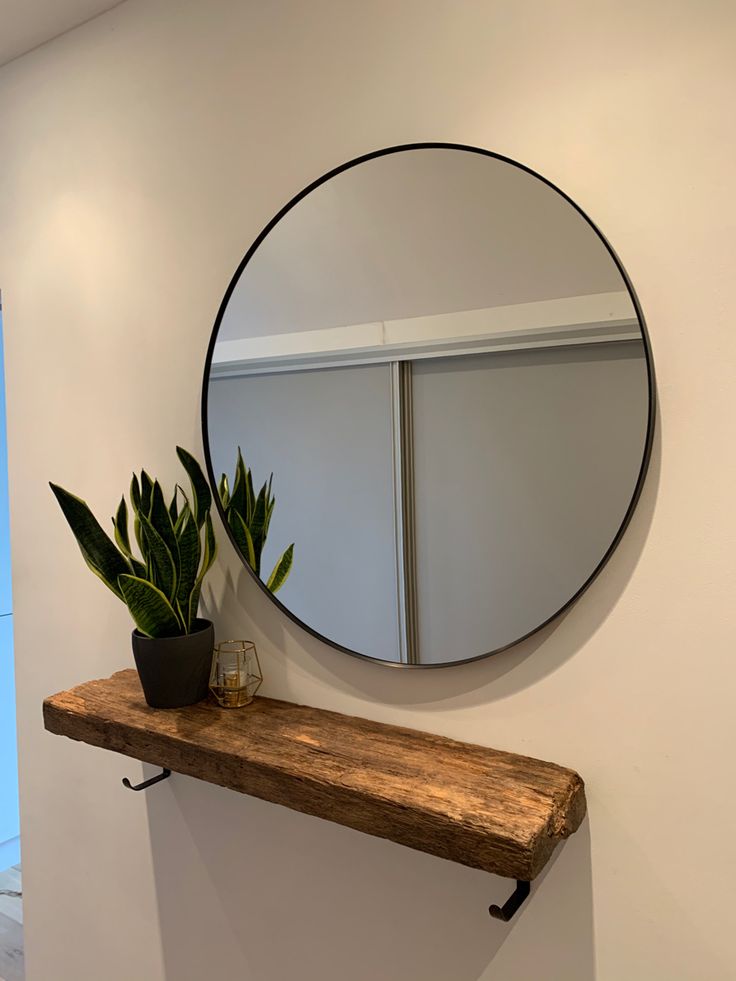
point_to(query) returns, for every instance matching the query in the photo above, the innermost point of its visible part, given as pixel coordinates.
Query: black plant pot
(175, 671)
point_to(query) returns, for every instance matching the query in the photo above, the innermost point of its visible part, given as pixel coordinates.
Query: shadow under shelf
(484, 808)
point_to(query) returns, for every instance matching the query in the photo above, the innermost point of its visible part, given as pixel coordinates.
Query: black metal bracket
(513, 903)
(147, 783)
(505, 912)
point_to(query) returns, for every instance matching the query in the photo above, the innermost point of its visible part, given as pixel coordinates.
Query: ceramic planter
(175, 671)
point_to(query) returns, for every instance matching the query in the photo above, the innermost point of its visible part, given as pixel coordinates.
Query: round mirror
(428, 405)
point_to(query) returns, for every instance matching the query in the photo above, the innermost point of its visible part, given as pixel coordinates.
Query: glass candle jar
(236, 673)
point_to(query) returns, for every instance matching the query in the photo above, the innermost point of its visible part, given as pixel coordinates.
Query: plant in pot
(172, 646)
(248, 516)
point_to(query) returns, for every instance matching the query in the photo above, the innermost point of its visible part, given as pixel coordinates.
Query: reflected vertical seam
(404, 510)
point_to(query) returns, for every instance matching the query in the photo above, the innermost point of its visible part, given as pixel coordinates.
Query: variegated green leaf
(113, 587)
(161, 521)
(208, 557)
(98, 550)
(152, 612)
(139, 569)
(189, 556)
(120, 524)
(163, 590)
(239, 497)
(223, 489)
(174, 506)
(270, 504)
(210, 547)
(146, 493)
(184, 515)
(193, 606)
(135, 493)
(251, 498)
(257, 527)
(137, 533)
(159, 560)
(243, 538)
(201, 494)
(281, 570)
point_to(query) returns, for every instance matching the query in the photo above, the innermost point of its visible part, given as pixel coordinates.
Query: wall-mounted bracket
(147, 783)
(513, 903)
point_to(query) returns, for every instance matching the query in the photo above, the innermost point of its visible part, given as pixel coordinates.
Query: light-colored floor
(11, 925)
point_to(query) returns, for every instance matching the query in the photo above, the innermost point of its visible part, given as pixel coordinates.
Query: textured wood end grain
(484, 808)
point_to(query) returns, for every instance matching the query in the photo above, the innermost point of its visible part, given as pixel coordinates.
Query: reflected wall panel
(327, 436)
(523, 470)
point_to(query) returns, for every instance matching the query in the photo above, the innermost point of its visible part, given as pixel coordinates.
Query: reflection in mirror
(439, 359)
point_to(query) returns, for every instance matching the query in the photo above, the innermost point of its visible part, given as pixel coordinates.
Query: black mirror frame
(651, 416)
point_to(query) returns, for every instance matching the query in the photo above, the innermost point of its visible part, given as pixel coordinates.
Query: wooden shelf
(487, 809)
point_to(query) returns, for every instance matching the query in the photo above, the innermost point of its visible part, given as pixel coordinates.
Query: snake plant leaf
(238, 500)
(281, 570)
(159, 560)
(181, 520)
(162, 591)
(257, 526)
(152, 612)
(201, 494)
(120, 524)
(139, 569)
(210, 547)
(174, 507)
(249, 517)
(208, 557)
(93, 568)
(270, 504)
(146, 493)
(184, 513)
(223, 489)
(189, 556)
(251, 497)
(181, 612)
(137, 532)
(97, 548)
(161, 521)
(243, 538)
(135, 493)
(136, 505)
(193, 606)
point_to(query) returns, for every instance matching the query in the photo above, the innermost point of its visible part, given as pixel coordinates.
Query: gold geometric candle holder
(236, 673)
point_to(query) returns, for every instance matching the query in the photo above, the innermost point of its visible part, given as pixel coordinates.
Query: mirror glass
(438, 358)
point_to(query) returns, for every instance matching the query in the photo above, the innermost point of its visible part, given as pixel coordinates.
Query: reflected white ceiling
(24, 24)
(417, 234)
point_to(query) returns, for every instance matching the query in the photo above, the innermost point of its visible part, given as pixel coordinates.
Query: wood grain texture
(487, 809)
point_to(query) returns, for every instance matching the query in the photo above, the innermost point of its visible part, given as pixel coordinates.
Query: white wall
(139, 156)
(9, 818)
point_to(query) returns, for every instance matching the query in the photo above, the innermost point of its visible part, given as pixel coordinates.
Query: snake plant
(177, 547)
(249, 515)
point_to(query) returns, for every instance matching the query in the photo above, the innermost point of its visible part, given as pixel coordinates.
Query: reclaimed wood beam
(481, 807)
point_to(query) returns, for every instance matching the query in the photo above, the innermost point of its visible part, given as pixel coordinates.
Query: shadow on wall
(277, 895)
